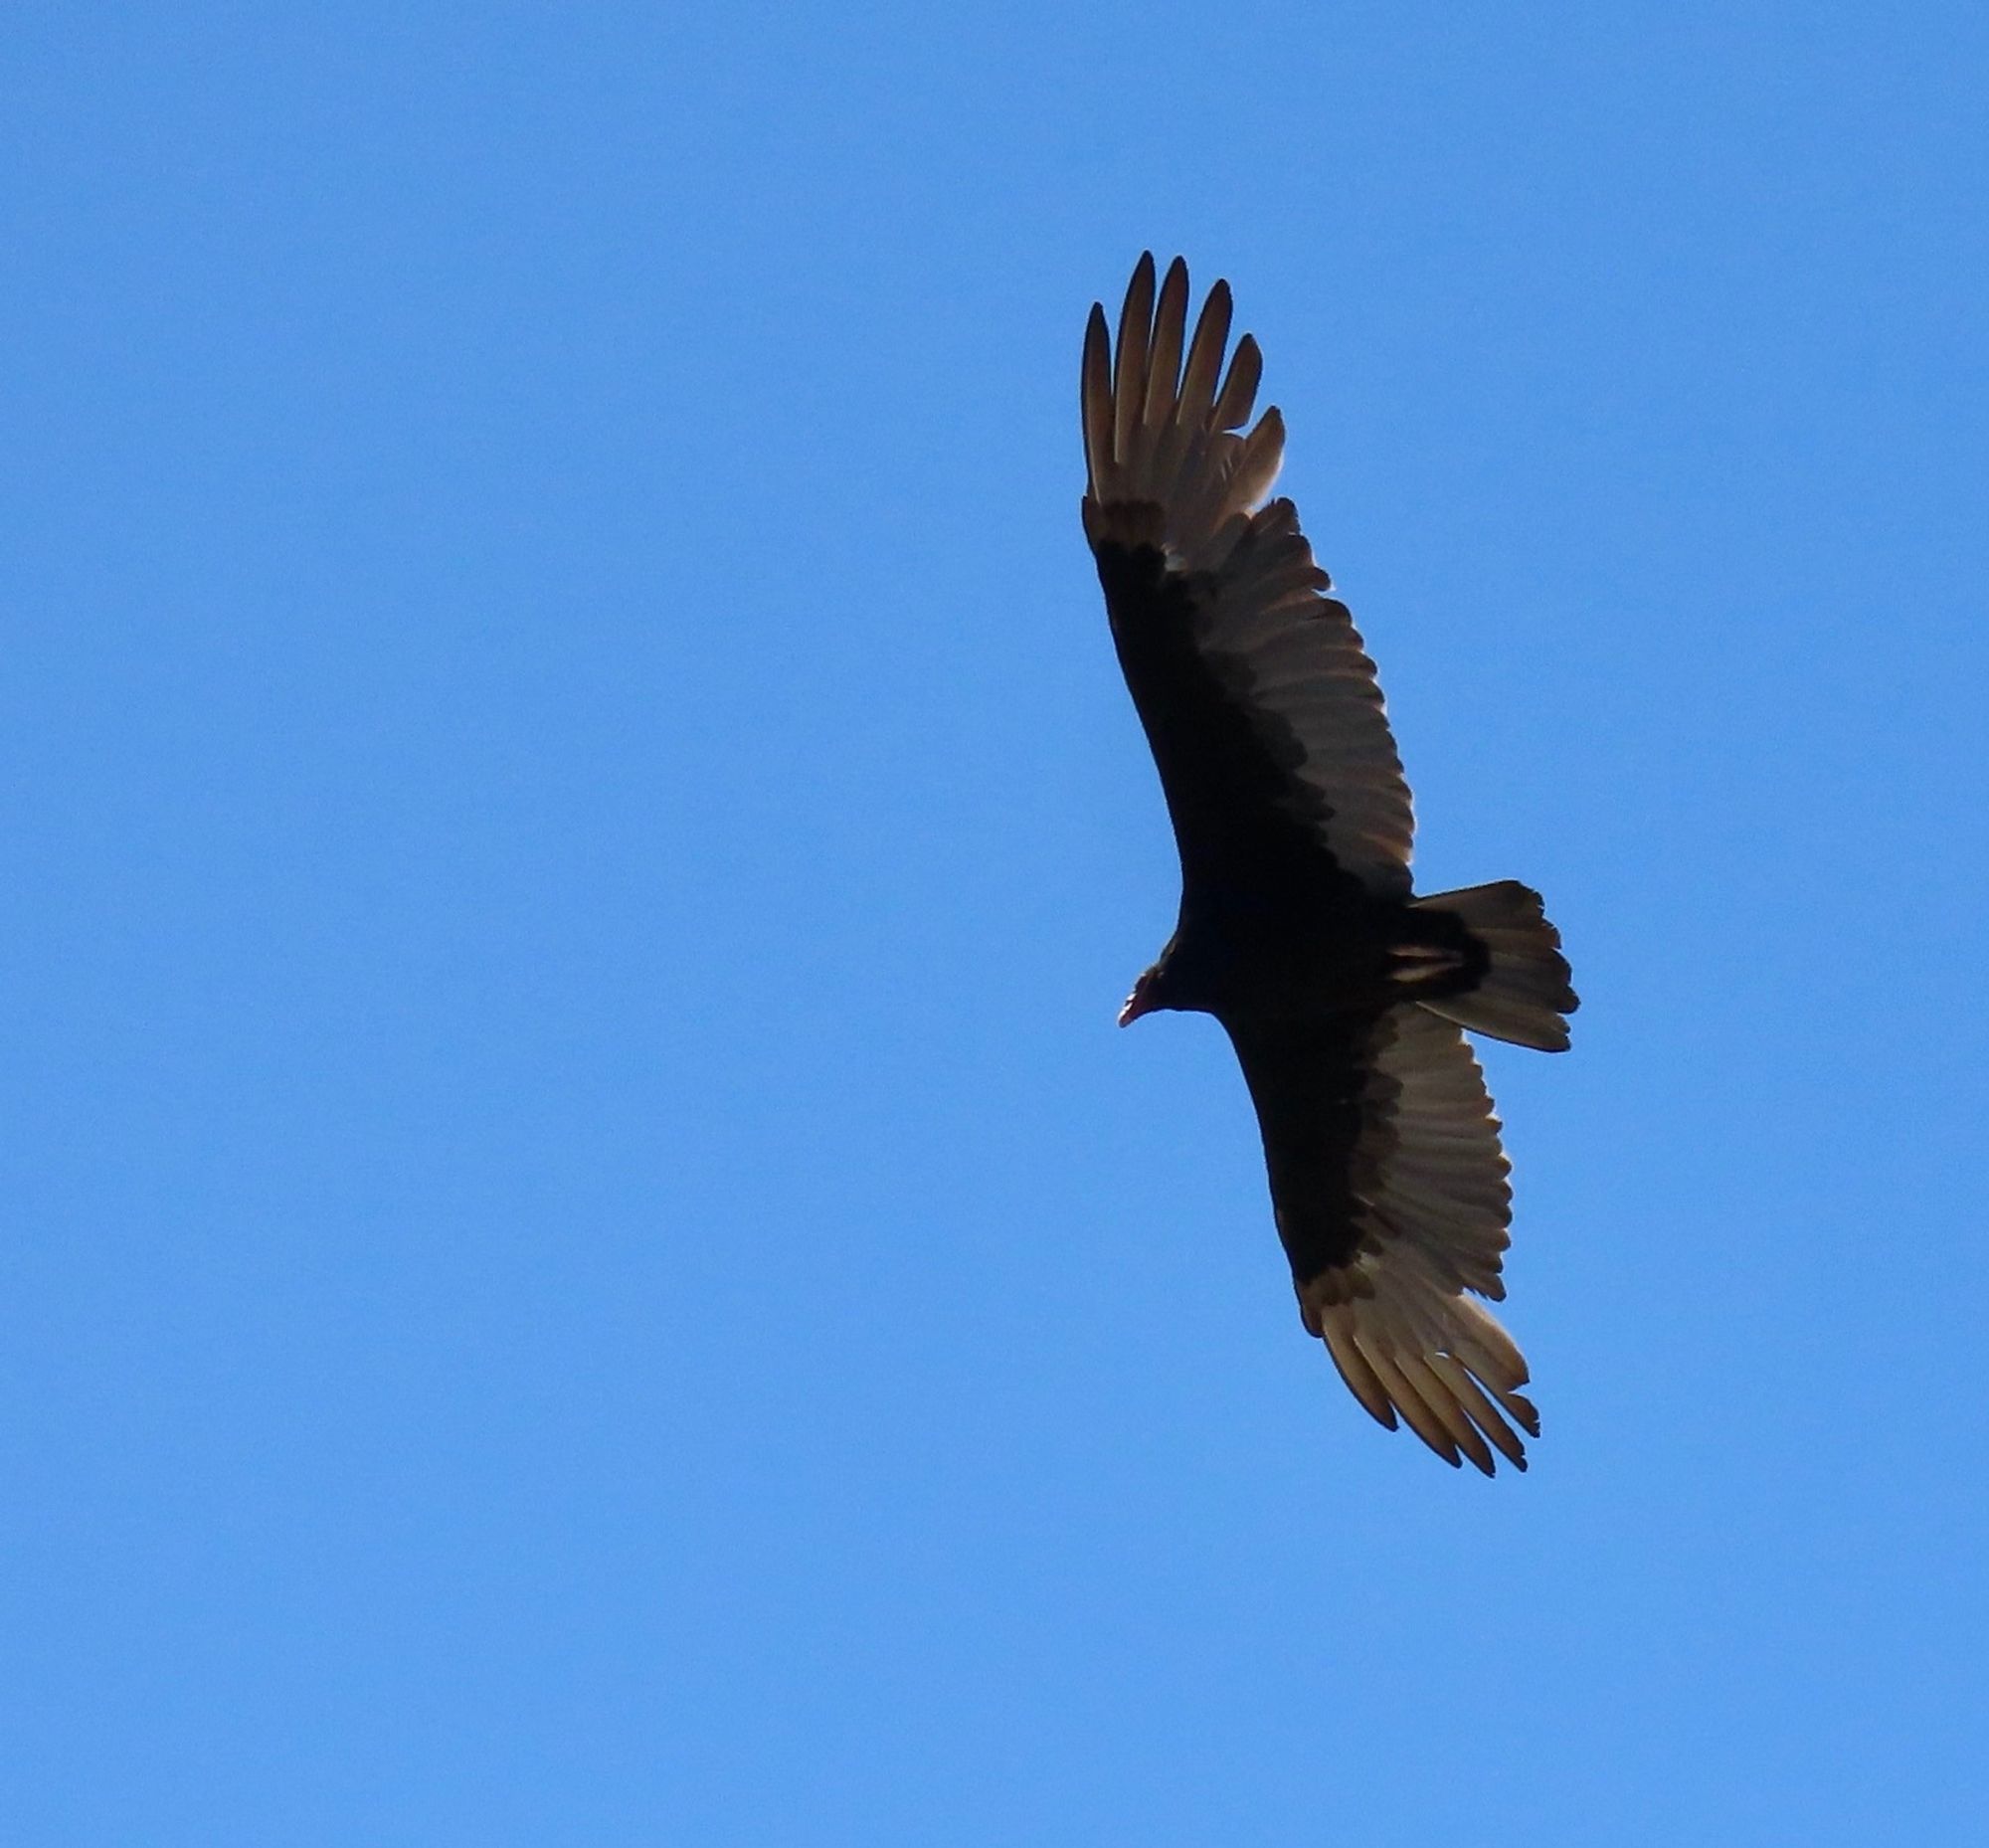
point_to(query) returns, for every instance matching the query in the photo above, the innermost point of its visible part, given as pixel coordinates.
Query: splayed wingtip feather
(1135, 322)
(1204, 358)
(1336, 1329)
(1095, 396)
(1164, 356)
(1239, 389)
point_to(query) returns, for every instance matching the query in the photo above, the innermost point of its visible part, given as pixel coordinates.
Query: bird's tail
(1523, 996)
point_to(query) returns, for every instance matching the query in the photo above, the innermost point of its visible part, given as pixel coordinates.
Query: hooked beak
(1139, 1001)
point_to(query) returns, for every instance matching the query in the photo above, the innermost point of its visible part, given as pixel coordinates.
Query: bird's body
(1298, 930)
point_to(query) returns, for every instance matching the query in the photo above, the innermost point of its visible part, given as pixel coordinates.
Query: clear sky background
(585, 1261)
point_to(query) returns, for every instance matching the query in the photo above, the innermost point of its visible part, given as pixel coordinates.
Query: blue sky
(586, 1261)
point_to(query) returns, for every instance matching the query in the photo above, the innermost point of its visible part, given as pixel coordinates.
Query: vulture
(1345, 995)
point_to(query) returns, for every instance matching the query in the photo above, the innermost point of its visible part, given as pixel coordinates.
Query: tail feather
(1524, 993)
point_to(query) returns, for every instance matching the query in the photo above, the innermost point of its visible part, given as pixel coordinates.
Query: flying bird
(1345, 995)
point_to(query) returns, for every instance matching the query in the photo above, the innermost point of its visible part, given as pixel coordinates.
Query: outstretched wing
(1251, 679)
(1392, 1198)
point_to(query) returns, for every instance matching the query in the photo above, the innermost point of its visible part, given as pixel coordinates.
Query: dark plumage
(1343, 993)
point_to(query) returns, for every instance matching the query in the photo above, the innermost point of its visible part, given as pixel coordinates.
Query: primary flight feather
(1344, 993)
